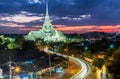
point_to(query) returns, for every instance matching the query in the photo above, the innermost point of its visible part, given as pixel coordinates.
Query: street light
(50, 63)
(112, 46)
(72, 55)
(85, 48)
(17, 69)
(67, 51)
(48, 43)
(10, 68)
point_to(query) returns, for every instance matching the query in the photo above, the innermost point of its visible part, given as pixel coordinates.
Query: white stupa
(47, 33)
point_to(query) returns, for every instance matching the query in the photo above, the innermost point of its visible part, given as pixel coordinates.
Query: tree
(19, 41)
(29, 49)
(4, 55)
(114, 68)
(98, 62)
(110, 51)
(1, 40)
(88, 54)
(12, 45)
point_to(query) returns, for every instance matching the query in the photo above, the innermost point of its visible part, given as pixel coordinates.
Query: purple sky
(29, 14)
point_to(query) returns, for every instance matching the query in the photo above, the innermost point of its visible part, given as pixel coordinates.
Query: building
(47, 33)
(118, 36)
(1, 73)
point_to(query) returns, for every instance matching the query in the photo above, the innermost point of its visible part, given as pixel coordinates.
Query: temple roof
(47, 21)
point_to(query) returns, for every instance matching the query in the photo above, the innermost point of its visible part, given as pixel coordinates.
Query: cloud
(11, 30)
(78, 18)
(24, 19)
(11, 25)
(34, 1)
(21, 18)
(30, 13)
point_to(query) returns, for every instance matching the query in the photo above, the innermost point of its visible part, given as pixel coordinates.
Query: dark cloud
(103, 12)
(10, 30)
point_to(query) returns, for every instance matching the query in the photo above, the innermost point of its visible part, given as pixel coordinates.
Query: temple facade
(47, 33)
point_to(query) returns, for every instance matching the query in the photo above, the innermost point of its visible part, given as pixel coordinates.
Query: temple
(47, 33)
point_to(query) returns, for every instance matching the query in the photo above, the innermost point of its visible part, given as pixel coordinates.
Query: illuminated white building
(118, 33)
(47, 33)
(1, 73)
(118, 36)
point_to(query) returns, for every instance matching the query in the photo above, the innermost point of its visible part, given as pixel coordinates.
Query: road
(85, 70)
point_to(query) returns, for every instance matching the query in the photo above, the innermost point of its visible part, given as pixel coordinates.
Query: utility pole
(50, 63)
(68, 57)
(10, 69)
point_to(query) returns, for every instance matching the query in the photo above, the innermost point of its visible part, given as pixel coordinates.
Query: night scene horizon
(68, 16)
(59, 39)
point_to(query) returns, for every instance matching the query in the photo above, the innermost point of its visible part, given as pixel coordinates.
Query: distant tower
(47, 23)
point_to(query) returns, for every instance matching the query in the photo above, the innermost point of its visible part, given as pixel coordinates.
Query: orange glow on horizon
(79, 29)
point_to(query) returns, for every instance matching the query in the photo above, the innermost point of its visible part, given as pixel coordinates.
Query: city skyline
(73, 16)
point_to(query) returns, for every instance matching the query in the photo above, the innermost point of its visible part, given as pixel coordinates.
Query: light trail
(85, 70)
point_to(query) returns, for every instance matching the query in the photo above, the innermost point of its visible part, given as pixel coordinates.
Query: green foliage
(110, 51)
(17, 43)
(19, 40)
(116, 54)
(88, 54)
(69, 49)
(29, 49)
(100, 45)
(4, 55)
(98, 62)
(114, 68)
(12, 45)
(1, 40)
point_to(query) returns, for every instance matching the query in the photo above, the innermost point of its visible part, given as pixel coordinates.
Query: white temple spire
(47, 21)
(47, 33)
(47, 8)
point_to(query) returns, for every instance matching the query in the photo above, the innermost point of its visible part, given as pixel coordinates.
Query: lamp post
(50, 63)
(67, 51)
(48, 43)
(17, 69)
(10, 68)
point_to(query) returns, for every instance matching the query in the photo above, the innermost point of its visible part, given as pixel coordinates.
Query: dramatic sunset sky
(69, 16)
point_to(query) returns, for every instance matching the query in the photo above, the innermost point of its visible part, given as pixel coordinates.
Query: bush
(98, 62)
